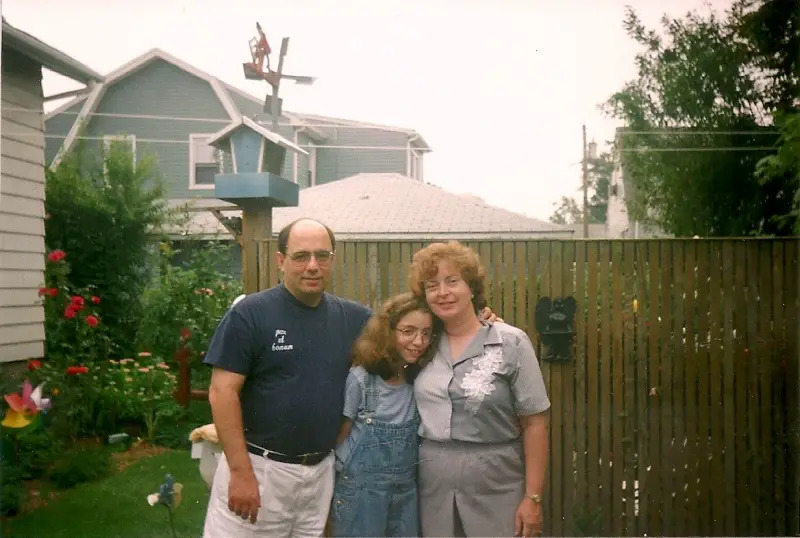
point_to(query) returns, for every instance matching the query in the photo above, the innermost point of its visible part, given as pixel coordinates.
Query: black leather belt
(312, 458)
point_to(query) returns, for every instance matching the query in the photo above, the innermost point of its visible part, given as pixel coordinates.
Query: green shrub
(186, 303)
(103, 211)
(13, 489)
(100, 399)
(37, 450)
(84, 464)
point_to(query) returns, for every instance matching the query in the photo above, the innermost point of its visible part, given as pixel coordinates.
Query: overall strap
(370, 395)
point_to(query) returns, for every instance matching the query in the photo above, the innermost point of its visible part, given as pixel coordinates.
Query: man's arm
(226, 408)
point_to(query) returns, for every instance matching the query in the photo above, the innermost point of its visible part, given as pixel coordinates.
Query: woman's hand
(528, 519)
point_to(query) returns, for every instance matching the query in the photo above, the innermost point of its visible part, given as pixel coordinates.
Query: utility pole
(585, 166)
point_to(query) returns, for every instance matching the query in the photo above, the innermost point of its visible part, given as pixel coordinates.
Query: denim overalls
(376, 489)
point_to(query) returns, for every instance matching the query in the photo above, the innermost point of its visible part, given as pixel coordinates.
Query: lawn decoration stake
(169, 494)
(254, 70)
(554, 322)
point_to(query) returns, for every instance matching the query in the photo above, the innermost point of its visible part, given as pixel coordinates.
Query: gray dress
(472, 467)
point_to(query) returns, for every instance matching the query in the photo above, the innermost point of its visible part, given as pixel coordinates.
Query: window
(203, 162)
(129, 141)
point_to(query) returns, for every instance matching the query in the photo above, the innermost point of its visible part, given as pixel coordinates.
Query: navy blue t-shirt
(296, 359)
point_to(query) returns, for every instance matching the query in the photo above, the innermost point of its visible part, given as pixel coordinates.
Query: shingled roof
(393, 206)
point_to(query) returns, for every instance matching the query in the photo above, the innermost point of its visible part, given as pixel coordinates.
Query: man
(280, 359)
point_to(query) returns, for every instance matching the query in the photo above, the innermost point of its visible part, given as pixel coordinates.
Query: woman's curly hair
(464, 259)
(375, 349)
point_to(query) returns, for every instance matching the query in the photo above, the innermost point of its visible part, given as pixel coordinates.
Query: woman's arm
(344, 430)
(535, 445)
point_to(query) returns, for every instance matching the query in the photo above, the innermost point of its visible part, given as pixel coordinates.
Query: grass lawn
(117, 506)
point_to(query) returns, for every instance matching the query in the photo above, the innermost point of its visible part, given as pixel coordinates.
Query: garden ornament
(25, 408)
(169, 494)
(554, 322)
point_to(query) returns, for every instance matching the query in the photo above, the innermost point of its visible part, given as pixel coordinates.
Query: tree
(570, 211)
(784, 167)
(699, 119)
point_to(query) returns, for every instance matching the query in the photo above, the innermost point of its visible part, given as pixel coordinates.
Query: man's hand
(243, 496)
(491, 317)
(528, 519)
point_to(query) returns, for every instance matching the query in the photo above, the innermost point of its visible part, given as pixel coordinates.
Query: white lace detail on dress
(478, 382)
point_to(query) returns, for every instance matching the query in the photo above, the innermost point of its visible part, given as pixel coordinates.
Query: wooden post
(256, 227)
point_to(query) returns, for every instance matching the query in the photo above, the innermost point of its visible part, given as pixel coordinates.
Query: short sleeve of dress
(530, 395)
(353, 393)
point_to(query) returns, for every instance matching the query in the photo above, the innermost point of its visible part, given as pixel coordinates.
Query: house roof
(392, 206)
(260, 129)
(223, 92)
(46, 55)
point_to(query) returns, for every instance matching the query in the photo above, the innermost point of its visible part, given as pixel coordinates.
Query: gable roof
(393, 206)
(223, 92)
(46, 55)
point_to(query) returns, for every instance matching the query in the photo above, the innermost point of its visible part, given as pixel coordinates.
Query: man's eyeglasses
(304, 256)
(410, 333)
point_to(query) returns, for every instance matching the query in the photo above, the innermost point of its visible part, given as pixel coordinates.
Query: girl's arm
(344, 430)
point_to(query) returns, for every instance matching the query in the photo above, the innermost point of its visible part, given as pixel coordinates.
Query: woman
(376, 492)
(482, 403)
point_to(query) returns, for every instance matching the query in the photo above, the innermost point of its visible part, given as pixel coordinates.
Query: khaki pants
(295, 500)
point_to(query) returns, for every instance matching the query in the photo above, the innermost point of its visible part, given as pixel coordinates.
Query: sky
(498, 88)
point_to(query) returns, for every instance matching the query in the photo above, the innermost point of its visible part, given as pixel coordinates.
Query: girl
(376, 489)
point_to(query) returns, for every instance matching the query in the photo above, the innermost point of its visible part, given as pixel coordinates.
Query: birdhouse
(258, 155)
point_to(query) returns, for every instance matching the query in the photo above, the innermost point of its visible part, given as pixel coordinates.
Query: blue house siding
(335, 164)
(161, 89)
(56, 129)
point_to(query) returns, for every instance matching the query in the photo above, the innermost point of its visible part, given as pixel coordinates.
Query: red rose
(71, 311)
(42, 291)
(34, 365)
(75, 370)
(92, 321)
(56, 256)
(95, 299)
(52, 292)
(78, 301)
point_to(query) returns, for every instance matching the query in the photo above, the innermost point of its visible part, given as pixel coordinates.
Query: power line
(403, 148)
(196, 119)
(668, 132)
(662, 150)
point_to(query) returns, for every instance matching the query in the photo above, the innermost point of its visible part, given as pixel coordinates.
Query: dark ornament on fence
(554, 323)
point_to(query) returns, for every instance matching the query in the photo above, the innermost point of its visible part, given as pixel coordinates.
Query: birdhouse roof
(244, 121)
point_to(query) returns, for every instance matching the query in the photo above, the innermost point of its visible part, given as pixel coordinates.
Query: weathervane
(260, 51)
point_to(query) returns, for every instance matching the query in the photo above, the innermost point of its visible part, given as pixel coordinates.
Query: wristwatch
(535, 498)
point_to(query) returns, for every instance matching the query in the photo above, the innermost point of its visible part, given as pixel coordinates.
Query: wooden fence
(679, 413)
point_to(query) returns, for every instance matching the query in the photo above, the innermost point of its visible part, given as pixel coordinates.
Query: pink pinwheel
(24, 408)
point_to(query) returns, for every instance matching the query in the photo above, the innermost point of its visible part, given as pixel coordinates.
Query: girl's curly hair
(375, 349)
